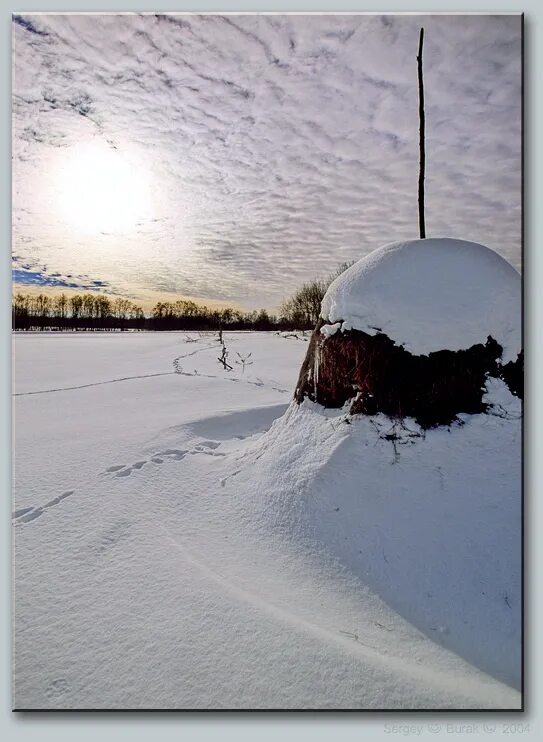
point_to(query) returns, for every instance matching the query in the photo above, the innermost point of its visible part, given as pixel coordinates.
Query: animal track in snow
(233, 379)
(58, 499)
(22, 511)
(160, 457)
(32, 515)
(26, 515)
(125, 470)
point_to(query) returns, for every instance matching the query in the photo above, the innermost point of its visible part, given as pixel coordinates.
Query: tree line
(77, 312)
(99, 312)
(90, 311)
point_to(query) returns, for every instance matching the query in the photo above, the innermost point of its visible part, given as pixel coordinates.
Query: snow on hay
(430, 294)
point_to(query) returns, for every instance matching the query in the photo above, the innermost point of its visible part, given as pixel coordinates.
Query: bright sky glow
(99, 191)
(231, 158)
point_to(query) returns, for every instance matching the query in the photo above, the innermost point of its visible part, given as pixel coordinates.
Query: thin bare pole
(422, 127)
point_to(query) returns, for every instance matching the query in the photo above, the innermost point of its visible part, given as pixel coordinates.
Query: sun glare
(100, 190)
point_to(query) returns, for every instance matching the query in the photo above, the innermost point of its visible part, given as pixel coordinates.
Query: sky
(231, 158)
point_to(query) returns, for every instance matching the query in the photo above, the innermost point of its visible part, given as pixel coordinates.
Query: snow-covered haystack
(418, 495)
(414, 329)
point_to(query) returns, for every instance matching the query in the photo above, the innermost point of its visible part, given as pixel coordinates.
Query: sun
(100, 190)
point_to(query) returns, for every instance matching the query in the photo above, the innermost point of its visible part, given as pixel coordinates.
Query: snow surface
(329, 330)
(430, 295)
(195, 540)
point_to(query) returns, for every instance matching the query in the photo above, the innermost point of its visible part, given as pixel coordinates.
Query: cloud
(277, 146)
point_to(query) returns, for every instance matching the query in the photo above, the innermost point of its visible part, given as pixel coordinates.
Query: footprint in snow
(26, 515)
(122, 470)
(32, 515)
(125, 470)
(22, 511)
(58, 499)
(172, 454)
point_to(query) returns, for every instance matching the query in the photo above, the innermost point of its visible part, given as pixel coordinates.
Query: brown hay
(379, 376)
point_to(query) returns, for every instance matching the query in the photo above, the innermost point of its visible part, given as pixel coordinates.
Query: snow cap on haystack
(429, 295)
(414, 330)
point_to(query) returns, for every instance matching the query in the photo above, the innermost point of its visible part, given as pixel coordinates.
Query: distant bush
(302, 310)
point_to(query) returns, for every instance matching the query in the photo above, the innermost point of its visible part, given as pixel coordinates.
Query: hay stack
(414, 330)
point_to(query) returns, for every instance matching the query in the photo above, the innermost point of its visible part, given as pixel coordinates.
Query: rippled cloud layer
(271, 147)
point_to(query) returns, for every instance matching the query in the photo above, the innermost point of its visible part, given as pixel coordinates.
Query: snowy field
(184, 538)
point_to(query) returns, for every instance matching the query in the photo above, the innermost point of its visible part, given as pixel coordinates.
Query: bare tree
(304, 306)
(88, 305)
(42, 304)
(76, 305)
(60, 306)
(120, 307)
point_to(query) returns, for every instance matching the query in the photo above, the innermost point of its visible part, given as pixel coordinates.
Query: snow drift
(175, 547)
(429, 520)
